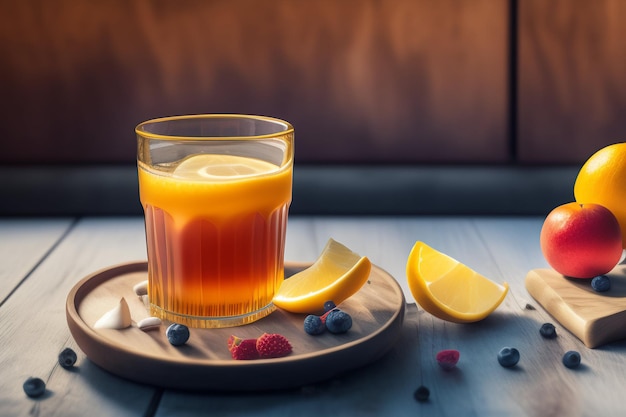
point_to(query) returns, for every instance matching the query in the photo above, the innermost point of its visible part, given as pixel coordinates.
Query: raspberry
(242, 349)
(324, 316)
(314, 325)
(338, 321)
(273, 345)
(508, 357)
(448, 359)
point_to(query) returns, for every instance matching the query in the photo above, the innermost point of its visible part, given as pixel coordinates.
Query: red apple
(581, 240)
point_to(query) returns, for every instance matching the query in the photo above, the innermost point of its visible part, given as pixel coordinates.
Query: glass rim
(150, 135)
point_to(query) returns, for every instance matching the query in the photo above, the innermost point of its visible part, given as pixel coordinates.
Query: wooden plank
(362, 81)
(317, 189)
(34, 328)
(412, 362)
(545, 382)
(23, 244)
(572, 94)
(503, 249)
(33, 321)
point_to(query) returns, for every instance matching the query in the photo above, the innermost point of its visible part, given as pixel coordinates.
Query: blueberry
(422, 393)
(67, 358)
(571, 359)
(314, 325)
(601, 283)
(329, 305)
(338, 321)
(548, 331)
(508, 357)
(34, 387)
(177, 334)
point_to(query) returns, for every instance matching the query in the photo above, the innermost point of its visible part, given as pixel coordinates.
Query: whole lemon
(602, 180)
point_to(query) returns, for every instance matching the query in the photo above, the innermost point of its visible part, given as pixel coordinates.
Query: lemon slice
(218, 167)
(449, 290)
(337, 274)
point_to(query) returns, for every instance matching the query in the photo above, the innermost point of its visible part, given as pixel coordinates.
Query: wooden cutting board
(595, 318)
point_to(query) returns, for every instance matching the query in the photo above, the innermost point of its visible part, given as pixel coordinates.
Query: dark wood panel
(97, 190)
(572, 83)
(362, 80)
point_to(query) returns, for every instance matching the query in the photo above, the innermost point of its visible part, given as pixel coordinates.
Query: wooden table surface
(42, 259)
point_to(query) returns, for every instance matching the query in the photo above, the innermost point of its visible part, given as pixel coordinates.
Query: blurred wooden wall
(571, 78)
(363, 81)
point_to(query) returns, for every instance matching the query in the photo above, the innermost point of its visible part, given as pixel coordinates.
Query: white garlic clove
(141, 288)
(149, 323)
(117, 318)
(146, 301)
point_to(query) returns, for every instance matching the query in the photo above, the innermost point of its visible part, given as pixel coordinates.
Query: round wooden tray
(204, 363)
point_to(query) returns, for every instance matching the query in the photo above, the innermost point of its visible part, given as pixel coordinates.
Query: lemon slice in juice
(448, 289)
(218, 167)
(337, 274)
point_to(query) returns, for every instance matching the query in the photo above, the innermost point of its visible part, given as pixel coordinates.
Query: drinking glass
(216, 191)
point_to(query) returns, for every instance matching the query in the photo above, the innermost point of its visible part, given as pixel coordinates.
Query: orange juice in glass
(216, 191)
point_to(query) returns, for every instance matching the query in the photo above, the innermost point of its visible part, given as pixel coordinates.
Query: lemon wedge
(337, 274)
(448, 289)
(216, 167)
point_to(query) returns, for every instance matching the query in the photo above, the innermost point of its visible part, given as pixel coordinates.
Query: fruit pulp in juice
(215, 232)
